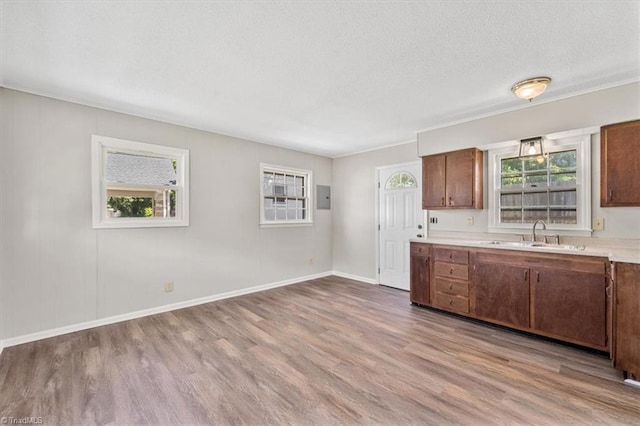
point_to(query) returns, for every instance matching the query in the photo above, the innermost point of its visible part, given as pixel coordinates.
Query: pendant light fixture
(532, 147)
(531, 88)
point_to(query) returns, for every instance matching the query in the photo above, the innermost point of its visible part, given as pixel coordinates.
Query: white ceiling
(328, 77)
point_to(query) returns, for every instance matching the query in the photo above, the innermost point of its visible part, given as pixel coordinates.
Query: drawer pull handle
(450, 286)
(450, 255)
(451, 302)
(526, 275)
(442, 201)
(451, 271)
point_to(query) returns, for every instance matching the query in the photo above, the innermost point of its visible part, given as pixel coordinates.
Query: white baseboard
(355, 277)
(18, 340)
(632, 382)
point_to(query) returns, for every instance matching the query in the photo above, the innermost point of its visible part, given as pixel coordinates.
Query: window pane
(531, 215)
(140, 203)
(511, 182)
(563, 198)
(511, 216)
(270, 214)
(511, 166)
(569, 216)
(281, 214)
(140, 169)
(536, 179)
(535, 163)
(535, 199)
(400, 180)
(511, 200)
(562, 160)
(268, 181)
(269, 203)
(563, 179)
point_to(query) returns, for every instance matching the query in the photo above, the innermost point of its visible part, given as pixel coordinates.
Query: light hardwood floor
(328, 351)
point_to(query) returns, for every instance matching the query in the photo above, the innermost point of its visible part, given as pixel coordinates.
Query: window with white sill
(285, 196)
(138, 185)
(554, 187)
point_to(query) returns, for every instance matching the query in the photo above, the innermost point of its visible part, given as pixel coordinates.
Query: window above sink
(555, 187)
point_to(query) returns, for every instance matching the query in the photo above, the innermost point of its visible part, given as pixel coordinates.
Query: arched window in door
(400, 180)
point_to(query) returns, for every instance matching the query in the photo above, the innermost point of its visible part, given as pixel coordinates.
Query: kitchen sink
(534, 244)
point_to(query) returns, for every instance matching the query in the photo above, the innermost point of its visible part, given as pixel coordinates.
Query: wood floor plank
(327, 351)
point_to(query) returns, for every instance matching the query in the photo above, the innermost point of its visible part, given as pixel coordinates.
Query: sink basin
(532, 244)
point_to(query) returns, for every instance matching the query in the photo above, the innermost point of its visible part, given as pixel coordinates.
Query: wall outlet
(469, 220)
(168, 286)
(598, 223)
(433, 220)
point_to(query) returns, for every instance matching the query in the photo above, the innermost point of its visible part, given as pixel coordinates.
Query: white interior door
(400, 219)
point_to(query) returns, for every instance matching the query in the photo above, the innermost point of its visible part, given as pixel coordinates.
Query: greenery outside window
(285, 196)
(555, 188)
(138, 185)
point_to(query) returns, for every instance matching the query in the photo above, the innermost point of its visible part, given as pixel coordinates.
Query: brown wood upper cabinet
(620, 164)
(452, 180)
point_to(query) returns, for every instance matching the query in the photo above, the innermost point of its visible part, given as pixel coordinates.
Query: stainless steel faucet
(533, 230)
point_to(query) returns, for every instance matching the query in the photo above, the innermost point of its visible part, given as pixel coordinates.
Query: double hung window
(285, 195)
(138, 184)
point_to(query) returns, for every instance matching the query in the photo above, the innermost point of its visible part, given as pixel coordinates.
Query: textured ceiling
(328, 77)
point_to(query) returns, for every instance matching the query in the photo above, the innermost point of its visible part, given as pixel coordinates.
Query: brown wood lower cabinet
(419, 273)
(626, 352)
(571, 305)
(555, 295)
(502, 293)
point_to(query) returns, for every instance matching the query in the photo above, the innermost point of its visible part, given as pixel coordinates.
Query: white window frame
(580, 140)
(308, 176)
(100, 145)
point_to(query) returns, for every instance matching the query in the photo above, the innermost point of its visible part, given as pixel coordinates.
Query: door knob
(419, 226)
(419, 235)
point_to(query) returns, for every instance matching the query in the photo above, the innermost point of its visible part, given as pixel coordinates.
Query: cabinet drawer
(452, 303)
(452, 255)
(457, 288)
(420, 249)
(451, 270)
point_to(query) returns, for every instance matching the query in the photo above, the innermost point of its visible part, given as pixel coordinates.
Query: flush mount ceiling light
(532, 146)
(531, 88)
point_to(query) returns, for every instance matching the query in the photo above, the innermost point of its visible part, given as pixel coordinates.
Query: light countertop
(614, 254)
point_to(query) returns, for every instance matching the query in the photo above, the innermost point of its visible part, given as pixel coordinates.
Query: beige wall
(354, 208)
(55, 270)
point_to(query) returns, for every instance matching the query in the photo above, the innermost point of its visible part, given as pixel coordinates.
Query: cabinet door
(433, 181)
(570, 304)
(502, 293)
(459, 178)
(627, 318)
(419, 283)
(620, 164)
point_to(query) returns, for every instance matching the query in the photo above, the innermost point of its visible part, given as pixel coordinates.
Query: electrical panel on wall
(323, 197)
